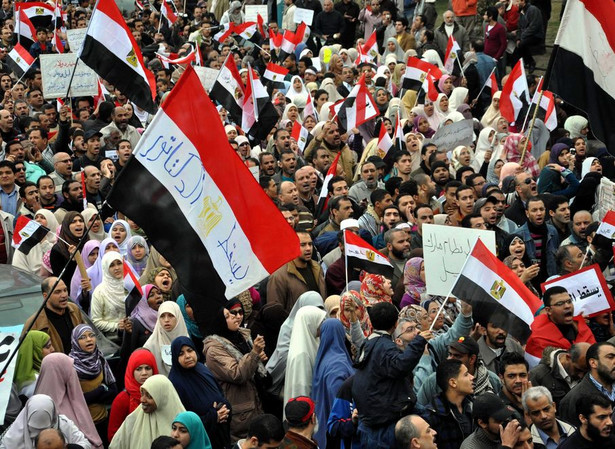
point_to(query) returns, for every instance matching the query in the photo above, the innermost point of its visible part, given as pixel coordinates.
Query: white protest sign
(57, 71)
(255, 172)
(588, 290)
(207, 76)
(9, 337)
(450, 136)
(445, 250)
(606, 197)
(304, 15)
(252, 12)
(75, 38)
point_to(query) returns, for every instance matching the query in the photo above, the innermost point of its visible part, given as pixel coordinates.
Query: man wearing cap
(490, 413)
(466, 350)
(547, 430)
(301, 421)
(92, 151)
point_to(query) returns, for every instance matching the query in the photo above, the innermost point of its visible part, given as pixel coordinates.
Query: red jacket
(545, 333)
(464, 8)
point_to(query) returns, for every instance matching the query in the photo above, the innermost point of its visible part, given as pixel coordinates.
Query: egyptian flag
(186, 59)
(452, 53)
(19, 60)
(199, 204)
(309, 108)
(100, 95)
(416, 72)
(323, 198)
(110, 50)
(258, 103)
(362, 255)
(260, 22)
(274, 76)
(26, 33)
(290, 41)
(132, 286)
(39, 13)
(84, 199)
(357, 108)
(385, 143)
(228, 89)
(198, 58)
(399, 134)
(429, 88)
(57, 42)
(167, 12)
(547, 108)
(492, 83)
(579, 69)
(248, 31)
(225, 32)
(515, 93)
(300, 134)
(496, 293)
(369, 49)
(27, 234)
(275, 40)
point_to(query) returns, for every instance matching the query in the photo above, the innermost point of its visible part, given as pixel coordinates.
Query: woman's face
(521, 144)
(596, 166)
(40, 218)
(387, 286)
(339, 63)
(412, 143)
(116, 269)
(118, 233)
(423, 125)
(496, 103)
(142, 373)
(154, 299)
(128, 108)
(147, 402)
(163, 281)
(297, 84)
(309, 123)
(517, 248)
(498, 168)
(491, 134)
(168, 321)
(231, 134)
(293, 113)
(97, 223)
(432, 311)
(465, 157)
(111, 247)
(517, 266)
(87, 341)
(428, 108)
(444, 104)
(585, 130)
(580, 147)
(448, 85)
(562, 159)
(77, 226)
(231, 320)
(381, 96)
(187, 357)
(189, 311)
(138, 252)
(391, 46)
(422, 272)
(502, 125)
(48, 348)
(388, 126)
(180, 433)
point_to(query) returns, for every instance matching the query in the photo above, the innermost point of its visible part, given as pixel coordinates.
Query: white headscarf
(160, 340)
(483, 144)
(111, 289)
(491, 115)
(124, 245)
(292, 93)
(437, 106)
(587, 165)
(88, 213)
(574, 124)
(457, 98)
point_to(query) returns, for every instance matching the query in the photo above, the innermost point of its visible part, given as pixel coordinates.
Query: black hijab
(219, 326)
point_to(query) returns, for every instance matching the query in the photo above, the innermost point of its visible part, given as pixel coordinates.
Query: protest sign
(57, 71)
(207, 76)
(450, 136)
(9, 338)
(606, 197)
(75, 38)
(252, 12)
(588, 290)
(445, 250)
(304, 15)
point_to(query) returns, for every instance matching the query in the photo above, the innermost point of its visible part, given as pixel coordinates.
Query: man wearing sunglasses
(525, 187)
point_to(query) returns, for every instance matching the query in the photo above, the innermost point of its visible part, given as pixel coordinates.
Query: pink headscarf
(512, 154)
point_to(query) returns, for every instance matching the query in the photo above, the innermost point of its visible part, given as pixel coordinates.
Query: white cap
(349, 223)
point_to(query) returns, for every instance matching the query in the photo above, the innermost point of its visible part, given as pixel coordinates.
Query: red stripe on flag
(603, 12)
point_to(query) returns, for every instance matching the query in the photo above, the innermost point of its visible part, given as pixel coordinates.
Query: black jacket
(568, 406)
(550, 377)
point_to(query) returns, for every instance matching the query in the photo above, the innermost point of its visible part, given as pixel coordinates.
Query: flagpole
(460, 67)
(418, 92)
(527, 114)
(484, 85)
(584, 257)
(345, 259)
(529, 132)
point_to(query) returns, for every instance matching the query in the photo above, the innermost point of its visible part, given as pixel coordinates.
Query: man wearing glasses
(525, 187)
(558, 326)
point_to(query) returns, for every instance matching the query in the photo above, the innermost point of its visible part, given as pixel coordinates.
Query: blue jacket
(381, 386)
(550, 250)
(440, 417)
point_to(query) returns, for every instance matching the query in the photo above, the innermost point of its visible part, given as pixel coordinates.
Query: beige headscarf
(159, 343)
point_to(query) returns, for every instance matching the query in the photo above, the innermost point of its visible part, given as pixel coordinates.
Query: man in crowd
(546, 429)
(596, 424)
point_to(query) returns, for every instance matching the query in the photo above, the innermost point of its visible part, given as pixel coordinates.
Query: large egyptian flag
(496, 293)
(39, 13)
(581, 70)
(199, 205)
(110, 50)
(362, 255)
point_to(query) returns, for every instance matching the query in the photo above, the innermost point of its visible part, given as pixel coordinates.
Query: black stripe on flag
(111, 68)
(132, 299)
(411, 84)
(487, 309)
(33, 240)
(370, 267)
(15, 68)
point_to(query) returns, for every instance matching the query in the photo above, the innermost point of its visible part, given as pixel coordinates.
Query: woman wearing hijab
(141, 366)
(393, 48)
(492, 114)
(189, 431)
(97, 231)
(523, 272)
(577, 126)
(95, 376)
(199, 392)
(458, 96)
(421, 125)
(138, 253)
(108, 300)
(332, 367)
(486, 143)
(513, 147)
(194, 332)
(381, 97)
(160, 404)
(235, 361)
(155, 260)
(35, 346)
(39, 414)
(169, 326)
(291, 113)
(276, 366)
(442, 106)
(120, 232)
(375, 288)
(33, 261)
(414, 282)
(557, 178)
(336, 65)
(304, 343)
(95, 272)
(143, 318)
(89, 255)
(71, 233)
(329, 86)
(296, 89)
(462, 157)
(59, 381)
(162, 278)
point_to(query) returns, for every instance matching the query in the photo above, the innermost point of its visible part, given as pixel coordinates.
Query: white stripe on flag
(361, 252)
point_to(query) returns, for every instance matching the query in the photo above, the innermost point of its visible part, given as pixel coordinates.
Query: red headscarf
(133, 388)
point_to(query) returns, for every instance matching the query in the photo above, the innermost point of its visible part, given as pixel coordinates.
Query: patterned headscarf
(512, 154)
(414, 313)
(362, 315)
(372, 289)
(413, 284)
(89, 364)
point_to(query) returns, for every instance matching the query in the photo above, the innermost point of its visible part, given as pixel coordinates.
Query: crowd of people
(319, 354)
